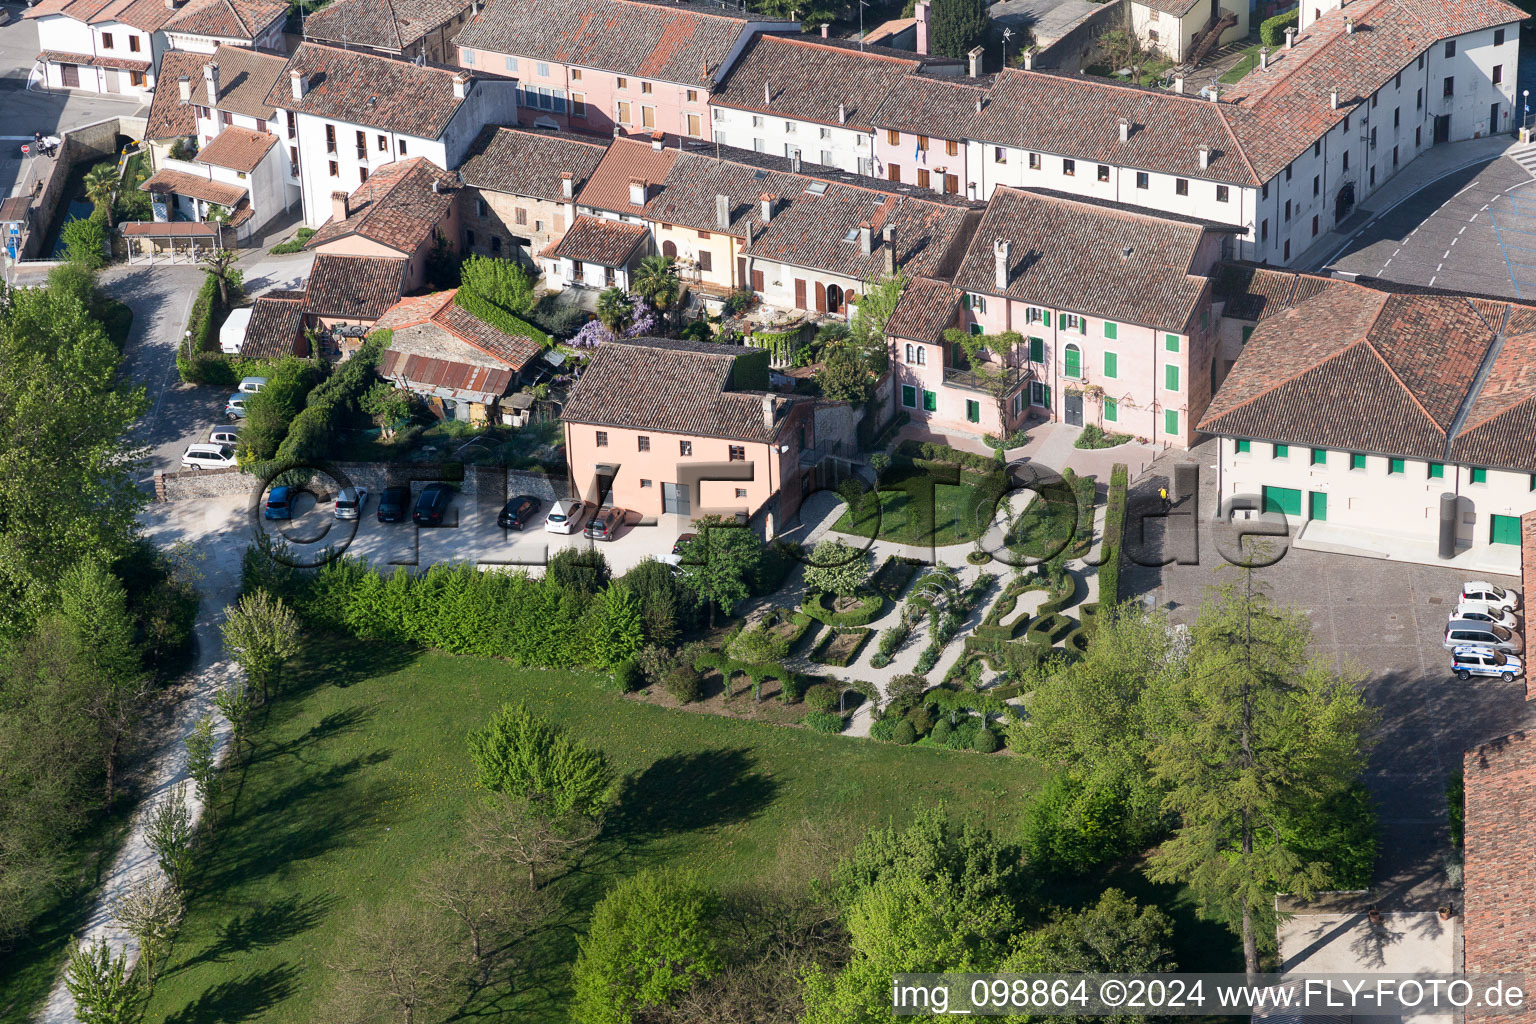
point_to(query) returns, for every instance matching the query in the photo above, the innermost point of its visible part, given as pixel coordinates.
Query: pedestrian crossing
(1525, 156)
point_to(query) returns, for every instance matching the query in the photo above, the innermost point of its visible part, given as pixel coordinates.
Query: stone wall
(1079, 48)
(495, 483)
(90, 142)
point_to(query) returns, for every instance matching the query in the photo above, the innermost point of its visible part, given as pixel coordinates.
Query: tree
(521, 832)
(581, 571)
(101, 185)
(169, 833)
(616, 632)
(269, 412)
(879, 301)
(955, 27)
(234, 703)
(656, 281)
(651, 939)
(615, 309)
(520, 754)
(845, 376)
(85, 242)
(401, 959)
(494, 907)
(999, 376)
(1248, 732)
(260, 633)
(149, 910)
(220, 265)
(1122, 49)
(103, 989)
(201, 765)
(836, 568)
(720, 562)
(442, 265)
(502, 282)
(387, 404)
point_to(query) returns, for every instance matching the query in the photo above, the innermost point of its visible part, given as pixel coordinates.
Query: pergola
(182, 241)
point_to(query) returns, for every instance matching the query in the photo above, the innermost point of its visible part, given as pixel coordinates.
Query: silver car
(1466, 632)
(350, 502)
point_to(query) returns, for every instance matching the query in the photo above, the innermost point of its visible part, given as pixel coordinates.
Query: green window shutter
(1171, 342)
(972, 410)
(1504, 530)
(1074, 362)
(1281, 451)
(965, 300)
(1045, 394)
(930, 401)
(1319, 456)
(1395, 466)
(1111, 330)
(1111, 364)
(1171, 378)
(1082, 325)
(1037, 350)
(1047, 315)
(1282, 499)
(1205, 319)
(977, 329)
(1171, 422)
(1111, 411)
(1244, 446)
(1436, 471)
(1356, 460)
(1247, 333)
(1479, 475)
(909, 396)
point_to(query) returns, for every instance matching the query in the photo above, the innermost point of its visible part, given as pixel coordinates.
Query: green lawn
(914, 509)
(360, 775)
(1245, 63)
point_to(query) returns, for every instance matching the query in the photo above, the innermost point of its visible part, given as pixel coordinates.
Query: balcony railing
(1013, 376)
(829, 450)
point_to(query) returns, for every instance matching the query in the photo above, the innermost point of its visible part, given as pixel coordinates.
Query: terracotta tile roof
(276, 329)
(395, 206)
(171, 229)
(226, 19)
(669, 386)
(245, 80)
(687, 197)
(529, 163)
(377, 92)
(1080, 117)
(462, 328)
(239, 149)
(93, 60)
(145, 15)
(1500, 426)
(168, 117)
(808, 79)
(926, 308)
(683, 43)
(194, 187)
(355, 287)
(382, 24)
(625, 160)
(1072, 253)
(608, 243)
(940, 108)
(1499, 923)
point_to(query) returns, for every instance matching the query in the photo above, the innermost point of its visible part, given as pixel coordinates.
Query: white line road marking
(1473, 185)
(1439, 267)
(1431, 282)
(1463, 230)
(1387, 264)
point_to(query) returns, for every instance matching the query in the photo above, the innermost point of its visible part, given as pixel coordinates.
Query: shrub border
(818, 652)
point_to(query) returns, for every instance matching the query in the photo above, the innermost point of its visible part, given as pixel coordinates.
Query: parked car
(251, 385)
(234, 406)
(392, 504)
(1470, 661)
(1487, 593)
(565, 516)
(605, 524)
(279, 503)
(224, 435)
(517, 512)
(207, 456)
(1477, 611)
(1465, 632)
(431, 505)
(350, 502)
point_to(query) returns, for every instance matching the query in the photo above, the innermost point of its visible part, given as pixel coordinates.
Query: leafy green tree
(720, 563)
(582, 571)
(260, 633)
(101, 186)
(615, 309)
(502, 282)
(876, 304)
(1251, 730)
(149, 910)
(169, 834)
(656, 281)
(836, 567)
(845, 376)
(617, 633)
(220, 265)
(442, 265)
(387, 404)
(812, 14)
(85, 242)
(521, 754)
(955, 27)
(269, 412)
(998, 376)
(651, 939)
(234, 703)
(104, 990)
(201, 764)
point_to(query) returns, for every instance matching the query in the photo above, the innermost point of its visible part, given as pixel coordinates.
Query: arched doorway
(669, 249)
(1344, 203)
(834, 299)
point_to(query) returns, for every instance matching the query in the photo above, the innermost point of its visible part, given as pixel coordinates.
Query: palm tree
(614, 309)
(656, 281)
(101, 188)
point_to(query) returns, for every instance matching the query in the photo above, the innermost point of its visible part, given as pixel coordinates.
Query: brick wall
(1527, 581)
(1500, 849)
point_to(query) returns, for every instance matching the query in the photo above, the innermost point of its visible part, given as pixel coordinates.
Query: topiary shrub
(821, 608)
(684, 684)
(823, 721)
(941, 731)
(821, 697)
(921, 719)
(904, 734)
(1272, 30)
(985, 741)
(627, 676)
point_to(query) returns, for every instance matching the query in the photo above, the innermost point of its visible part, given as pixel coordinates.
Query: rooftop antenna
(862, 5)
(1007, 35)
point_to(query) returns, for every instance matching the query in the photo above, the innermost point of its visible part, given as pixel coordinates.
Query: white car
(207, 456)
(251, 385)
(350, 502)
(566, 517)
(1467, 662)
(224, 435)
(1477, 611)
(1487, 593)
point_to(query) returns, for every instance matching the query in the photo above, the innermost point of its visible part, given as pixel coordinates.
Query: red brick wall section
(1528, 582)
(1500, 848)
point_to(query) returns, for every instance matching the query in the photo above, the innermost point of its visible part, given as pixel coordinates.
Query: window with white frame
(1033, 315)
(922, 355)
(911, 353)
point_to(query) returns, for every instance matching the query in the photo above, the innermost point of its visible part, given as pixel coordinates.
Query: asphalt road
(1473, 231)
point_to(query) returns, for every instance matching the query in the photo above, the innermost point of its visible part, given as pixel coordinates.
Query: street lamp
(1525, 119)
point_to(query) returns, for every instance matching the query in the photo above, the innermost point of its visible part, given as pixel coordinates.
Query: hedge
(781, 646)
(894, 575)
(819, 653)
(314, 431)
(1272, 30)
(819, 607)
(919, 451)
(1114, 537)
(791, 684)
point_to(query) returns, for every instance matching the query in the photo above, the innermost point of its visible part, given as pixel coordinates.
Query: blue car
(279, 504)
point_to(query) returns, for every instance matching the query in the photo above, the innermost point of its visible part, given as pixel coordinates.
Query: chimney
(923, 9)
(1205, 157)
(300, 83)
(1290, 37)
(978, 104)
(211, 79)
(765, 204)
(1215, 92)
(636, 191)
(722, 212)
(184, 83)
(1333, 98)
(973, 62)
(1000, 250)
(823, 30)
(341, 207)
(1349, 26)
(1125, 130)
(567, 185)
(1263, 58)
(794, 161)
(1029, 59)
(767, 94)
(658, 140)
(888, 242)
(460, 85)
(474, 9)
(1178, 84)
(437, 186)
(842, 113)
(866, 238)
(768, 411)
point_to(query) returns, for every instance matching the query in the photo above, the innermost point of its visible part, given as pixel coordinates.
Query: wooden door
(952, 184)
(71, 75)
(757, 280)
(741, 271)
(821, 297)
(799, 294)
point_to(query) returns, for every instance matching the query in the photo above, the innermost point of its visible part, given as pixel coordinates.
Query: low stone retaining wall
(490, 483)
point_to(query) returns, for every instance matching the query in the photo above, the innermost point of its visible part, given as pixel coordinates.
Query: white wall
(846, 148)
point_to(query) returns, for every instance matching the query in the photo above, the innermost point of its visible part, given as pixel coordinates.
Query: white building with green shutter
(1376, 420)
